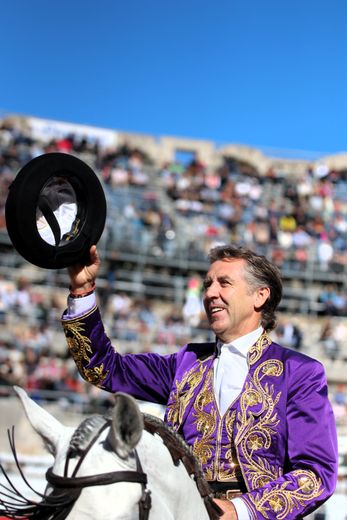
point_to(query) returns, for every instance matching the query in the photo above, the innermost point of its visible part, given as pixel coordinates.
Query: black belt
(226, 490)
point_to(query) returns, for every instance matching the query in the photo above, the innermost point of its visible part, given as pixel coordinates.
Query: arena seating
(163, 217)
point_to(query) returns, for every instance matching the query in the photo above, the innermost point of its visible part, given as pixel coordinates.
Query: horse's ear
(49, 428)
(127, 425)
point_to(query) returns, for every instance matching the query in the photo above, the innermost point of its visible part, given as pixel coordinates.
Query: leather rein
(78, 483)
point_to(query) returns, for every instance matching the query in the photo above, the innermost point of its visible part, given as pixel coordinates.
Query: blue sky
(263, 73)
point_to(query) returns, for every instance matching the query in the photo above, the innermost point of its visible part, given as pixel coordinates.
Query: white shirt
(79, 306)
(230, 368)
(230, 371)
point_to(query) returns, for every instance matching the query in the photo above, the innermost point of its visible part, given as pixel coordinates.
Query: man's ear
(261, 295)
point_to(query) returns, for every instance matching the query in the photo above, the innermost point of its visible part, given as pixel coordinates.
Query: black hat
(55, 210)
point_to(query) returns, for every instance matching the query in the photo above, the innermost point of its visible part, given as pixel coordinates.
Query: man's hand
(229, 511)
(82, 277)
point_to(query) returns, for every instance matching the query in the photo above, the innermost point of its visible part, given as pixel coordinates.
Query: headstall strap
(102, 479)
(145, 502)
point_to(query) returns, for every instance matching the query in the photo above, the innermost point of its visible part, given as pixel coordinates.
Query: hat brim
(25, 199)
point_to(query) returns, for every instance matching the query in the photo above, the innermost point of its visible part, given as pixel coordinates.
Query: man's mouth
(214, 311)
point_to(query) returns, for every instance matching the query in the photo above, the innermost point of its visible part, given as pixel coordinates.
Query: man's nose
(212, 290)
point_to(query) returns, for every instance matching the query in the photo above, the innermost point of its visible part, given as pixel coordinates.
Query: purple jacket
(281, 426)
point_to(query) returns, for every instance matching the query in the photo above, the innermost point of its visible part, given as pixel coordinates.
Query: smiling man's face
(231, 305)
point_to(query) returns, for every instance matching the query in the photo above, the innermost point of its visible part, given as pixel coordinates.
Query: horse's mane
(58, 504)
(181, 451)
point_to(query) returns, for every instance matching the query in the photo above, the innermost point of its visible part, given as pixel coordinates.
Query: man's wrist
(84, 290)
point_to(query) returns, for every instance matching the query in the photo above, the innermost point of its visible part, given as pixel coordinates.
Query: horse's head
(96, 466)
(100, 470)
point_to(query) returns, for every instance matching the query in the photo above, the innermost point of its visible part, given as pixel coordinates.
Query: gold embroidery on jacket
(254, 435)
(256, 351)
(205, 423)
(219, 460)
(79, 346)
(183, 393)
(256, 427)
(283, 501)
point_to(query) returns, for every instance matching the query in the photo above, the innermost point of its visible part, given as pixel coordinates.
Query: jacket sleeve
(146, 376)
(311, 459)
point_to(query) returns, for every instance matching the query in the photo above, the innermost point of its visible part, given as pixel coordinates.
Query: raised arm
(145, 376)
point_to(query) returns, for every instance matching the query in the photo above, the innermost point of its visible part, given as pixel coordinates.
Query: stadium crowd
(292, 220)
(168, 209)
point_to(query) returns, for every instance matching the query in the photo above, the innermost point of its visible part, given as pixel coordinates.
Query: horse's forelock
(86, 431)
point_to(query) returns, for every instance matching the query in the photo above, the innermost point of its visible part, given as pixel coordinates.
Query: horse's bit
(78, 483)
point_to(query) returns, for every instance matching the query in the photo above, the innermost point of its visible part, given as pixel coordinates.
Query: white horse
(125, 467)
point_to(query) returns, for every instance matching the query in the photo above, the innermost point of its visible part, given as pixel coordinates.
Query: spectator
(289, 334)
(328, 340)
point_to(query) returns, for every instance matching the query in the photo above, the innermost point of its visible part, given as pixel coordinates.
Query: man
(256, 414)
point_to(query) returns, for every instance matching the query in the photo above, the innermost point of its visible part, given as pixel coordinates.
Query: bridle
(65, 490)
(76, 483)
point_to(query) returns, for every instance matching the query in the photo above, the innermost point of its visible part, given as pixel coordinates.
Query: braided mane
(181, 451)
